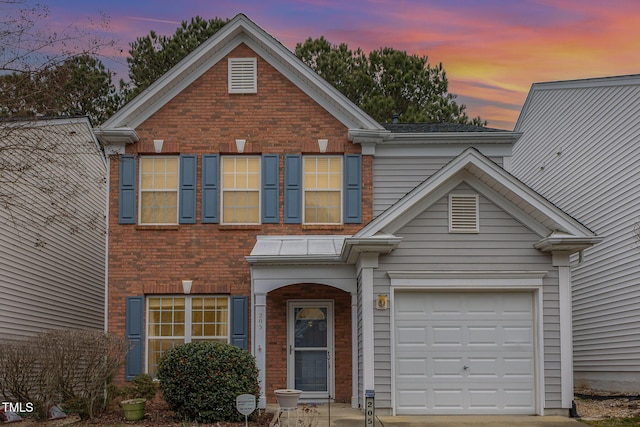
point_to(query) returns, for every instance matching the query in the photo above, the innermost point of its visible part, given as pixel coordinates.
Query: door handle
(290, 349)
(465, 367)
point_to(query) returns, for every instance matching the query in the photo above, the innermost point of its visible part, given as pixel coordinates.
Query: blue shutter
(135, 334)
(270, 189)
(292, 189)
(187, 196)
(210, 176)
(127, 190)
(352, 188)
(240, 322)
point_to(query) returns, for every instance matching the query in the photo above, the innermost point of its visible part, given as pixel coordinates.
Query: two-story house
(252, 203)
(580, 149)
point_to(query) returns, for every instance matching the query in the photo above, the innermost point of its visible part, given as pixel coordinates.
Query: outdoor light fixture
(186, 286)
(157, 144)
(240, 145)
(322, 144)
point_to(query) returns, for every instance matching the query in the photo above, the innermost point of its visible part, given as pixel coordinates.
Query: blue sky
(492, 50)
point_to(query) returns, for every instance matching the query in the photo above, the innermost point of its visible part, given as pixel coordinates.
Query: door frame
(329, 305)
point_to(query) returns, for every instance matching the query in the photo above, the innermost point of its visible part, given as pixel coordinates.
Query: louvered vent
(243, 76)
(463, 213)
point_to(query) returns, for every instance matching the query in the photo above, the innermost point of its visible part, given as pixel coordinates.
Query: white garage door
(464, 353)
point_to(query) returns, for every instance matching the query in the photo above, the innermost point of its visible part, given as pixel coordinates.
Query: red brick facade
(205, 119)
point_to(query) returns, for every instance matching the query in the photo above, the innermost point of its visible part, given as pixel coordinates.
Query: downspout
(580, 260)
(106, 247)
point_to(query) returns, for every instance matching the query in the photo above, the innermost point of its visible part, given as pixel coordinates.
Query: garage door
(464, 353)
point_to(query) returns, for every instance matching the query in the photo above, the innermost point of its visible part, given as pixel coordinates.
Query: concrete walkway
(341, 415)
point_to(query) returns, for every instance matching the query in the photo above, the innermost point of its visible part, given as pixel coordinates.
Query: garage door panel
(491, 334)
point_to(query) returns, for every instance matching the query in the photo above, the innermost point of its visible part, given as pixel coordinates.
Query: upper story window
(243, 76)
(241, 189)
(158, 190)
(322, 184)
(174, 320)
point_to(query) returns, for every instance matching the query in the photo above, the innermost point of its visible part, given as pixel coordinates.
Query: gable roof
(576, 97)
(237, 31)
(558, 230)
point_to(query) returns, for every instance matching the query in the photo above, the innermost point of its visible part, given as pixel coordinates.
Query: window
(158, 190)
(463, 213)
(322, 184)
(174, 320)
(243, 76)
(241, 190)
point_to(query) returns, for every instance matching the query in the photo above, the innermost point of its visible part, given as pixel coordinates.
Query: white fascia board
(568, 243)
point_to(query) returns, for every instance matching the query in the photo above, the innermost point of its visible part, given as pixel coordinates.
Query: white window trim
(340, 189)
(243, 75)
(140, 191)
(222, 190)
(453, 227)
(188, 309)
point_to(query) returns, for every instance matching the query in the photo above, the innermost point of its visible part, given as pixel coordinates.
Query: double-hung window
(174, 320)
(159, 190)
(322, 184)
(241, 189)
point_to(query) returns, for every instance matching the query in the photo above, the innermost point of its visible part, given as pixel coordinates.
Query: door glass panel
(311, 370)
(310, 342)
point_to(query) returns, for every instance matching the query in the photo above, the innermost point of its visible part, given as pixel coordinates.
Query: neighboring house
(580, 150)
(52, 238)
(252, 203)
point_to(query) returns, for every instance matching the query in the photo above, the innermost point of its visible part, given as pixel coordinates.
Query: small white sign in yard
(246, 404)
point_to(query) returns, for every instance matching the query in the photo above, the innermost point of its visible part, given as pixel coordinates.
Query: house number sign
(369, 412)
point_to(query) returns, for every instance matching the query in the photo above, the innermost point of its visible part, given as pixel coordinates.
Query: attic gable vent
(243, 76)
(463, 213)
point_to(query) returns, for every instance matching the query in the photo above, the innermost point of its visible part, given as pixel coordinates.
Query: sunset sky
(492, 50)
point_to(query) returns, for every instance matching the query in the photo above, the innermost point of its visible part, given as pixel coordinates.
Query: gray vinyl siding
(50, 276)
(395, 176)
(502, 244)
(580, 150)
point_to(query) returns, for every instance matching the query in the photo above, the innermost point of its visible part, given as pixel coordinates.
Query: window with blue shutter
(187, 196)
(292, 189)
(210, 188)
(134, 325)
(352, 189)
(127, 190)
(270, 189)
(240, 322)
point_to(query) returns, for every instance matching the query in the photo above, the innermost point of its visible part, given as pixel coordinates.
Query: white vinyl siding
(52, 277)
(243, 76)
(396, 176)
(580, 150)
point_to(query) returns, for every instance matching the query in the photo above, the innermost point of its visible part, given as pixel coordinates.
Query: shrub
(141, 386)
(200, 381)
(70, 366)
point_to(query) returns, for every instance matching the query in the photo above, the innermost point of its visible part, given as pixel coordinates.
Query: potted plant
(287, 398)
(133, 408)
(142, 387)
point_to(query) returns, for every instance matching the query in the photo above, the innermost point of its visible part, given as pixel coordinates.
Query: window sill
(323, 227)
(240, 227)
(157, 227)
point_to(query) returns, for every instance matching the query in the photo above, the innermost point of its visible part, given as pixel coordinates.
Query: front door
(310, 344)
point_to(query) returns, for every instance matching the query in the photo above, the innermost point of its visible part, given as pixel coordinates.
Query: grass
(614, 422)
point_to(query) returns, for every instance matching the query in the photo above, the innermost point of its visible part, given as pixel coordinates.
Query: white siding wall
(502, 244)
(51, 277)
(394, 177)
(580, 149)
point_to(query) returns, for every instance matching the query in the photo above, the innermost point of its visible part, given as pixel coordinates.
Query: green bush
(200, 381)
(141, 386)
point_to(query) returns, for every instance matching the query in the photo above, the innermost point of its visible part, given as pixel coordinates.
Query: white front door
(310, 345)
